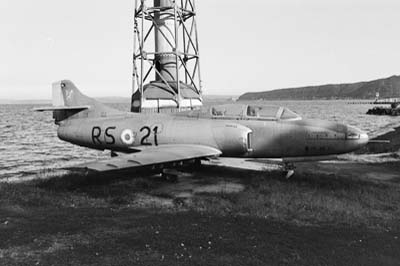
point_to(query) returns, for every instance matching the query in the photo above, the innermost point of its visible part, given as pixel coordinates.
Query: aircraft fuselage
(234, 137)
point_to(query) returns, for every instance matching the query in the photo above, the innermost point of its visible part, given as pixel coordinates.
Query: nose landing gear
(289, 169)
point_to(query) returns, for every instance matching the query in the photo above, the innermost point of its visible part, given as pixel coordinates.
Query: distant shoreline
(385, 87)
(219, 99)
(15, 102)
(107, 99)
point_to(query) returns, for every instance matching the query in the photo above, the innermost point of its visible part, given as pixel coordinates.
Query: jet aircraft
(162, 140)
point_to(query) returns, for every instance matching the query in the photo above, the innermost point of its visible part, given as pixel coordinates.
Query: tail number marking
(108, 138)
(147, 130)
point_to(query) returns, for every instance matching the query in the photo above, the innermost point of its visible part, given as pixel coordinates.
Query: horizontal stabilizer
(61, 108)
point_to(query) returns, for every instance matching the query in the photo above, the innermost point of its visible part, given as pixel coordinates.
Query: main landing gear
(170, 175)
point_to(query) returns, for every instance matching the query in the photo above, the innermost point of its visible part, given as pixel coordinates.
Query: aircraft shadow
(145, 180)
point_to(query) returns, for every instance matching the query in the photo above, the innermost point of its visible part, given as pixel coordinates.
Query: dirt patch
(188, 186)
(220, 187)
(149, 201)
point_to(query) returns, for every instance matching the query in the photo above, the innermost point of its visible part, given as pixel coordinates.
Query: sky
(252, 45)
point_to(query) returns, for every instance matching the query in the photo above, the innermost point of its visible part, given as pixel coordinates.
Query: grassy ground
(313, 219)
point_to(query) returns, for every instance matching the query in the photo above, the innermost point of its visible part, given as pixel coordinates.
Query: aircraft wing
(152, 156)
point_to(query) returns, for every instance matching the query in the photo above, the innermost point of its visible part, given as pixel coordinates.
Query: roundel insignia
(127, 137)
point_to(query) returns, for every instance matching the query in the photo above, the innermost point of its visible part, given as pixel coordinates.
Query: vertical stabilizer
(65, 93)
(68, 103)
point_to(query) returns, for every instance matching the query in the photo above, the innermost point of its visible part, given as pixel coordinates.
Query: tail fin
(65, 93)
(69, 102)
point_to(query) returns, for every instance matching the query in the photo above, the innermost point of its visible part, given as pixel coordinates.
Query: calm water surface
(29, 143)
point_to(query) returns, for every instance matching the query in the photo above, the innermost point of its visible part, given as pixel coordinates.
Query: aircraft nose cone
(363, 138)
(357, 136)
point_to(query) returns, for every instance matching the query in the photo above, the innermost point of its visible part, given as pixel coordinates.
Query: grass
(121, 220)
(308, 199)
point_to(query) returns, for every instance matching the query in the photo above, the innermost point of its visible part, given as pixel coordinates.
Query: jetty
(377, 101)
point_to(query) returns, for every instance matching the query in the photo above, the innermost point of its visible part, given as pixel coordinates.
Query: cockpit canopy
(262, 112)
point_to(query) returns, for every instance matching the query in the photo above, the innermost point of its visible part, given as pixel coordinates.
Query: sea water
(29, 144)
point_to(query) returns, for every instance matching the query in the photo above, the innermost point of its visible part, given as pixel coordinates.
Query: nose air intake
(249, 144)
(364, 139)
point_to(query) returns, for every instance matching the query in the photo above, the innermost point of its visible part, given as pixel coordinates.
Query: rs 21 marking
(99, 137)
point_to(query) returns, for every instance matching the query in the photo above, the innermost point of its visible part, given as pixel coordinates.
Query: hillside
(387, 87)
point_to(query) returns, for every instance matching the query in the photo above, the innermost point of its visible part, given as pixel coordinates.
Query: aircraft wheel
(289, 168)
(196, 164)
(289, 174)
(169, 176)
